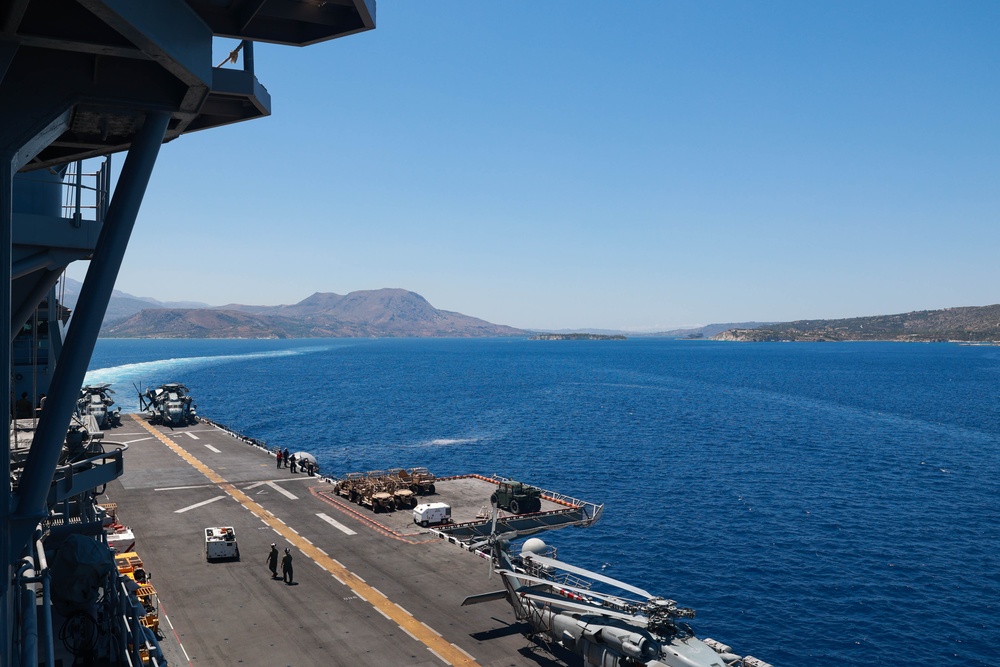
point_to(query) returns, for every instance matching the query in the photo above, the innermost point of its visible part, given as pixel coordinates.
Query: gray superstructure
(85, 79)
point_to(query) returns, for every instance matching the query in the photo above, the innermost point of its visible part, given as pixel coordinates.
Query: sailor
(286, 566)
(293, 462)
(284, 456)
(23, 406)
(272, 561)
(279, 457)
(309, 467)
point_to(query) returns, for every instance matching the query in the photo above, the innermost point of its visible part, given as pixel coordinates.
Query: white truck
(429, 514)
(221, 543)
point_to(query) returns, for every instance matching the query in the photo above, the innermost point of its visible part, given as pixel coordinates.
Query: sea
(816, 503)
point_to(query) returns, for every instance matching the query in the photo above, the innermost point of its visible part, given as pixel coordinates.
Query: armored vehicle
(517, 498)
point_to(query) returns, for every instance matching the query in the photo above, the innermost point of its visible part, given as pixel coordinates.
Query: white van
(430, 514)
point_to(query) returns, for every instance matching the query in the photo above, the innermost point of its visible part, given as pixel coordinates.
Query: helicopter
(169, 404)
(559, 604)
(95, 400)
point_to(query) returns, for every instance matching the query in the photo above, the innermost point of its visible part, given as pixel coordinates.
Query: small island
(577, 336)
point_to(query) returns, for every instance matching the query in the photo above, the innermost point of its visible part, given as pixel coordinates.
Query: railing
(87, 191)
(592, 511)
(79, 476)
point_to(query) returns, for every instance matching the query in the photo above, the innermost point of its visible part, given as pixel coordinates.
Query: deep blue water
(829, 503)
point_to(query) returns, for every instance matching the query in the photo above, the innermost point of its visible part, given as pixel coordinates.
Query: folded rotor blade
(596, 610)
(582, 591)
(551, 562)
(485, 597)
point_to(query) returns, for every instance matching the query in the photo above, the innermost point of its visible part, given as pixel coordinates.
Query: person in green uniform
(272, 561)
(286, 567)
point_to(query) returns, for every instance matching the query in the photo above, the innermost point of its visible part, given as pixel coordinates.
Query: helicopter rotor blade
(475, 545)
(484, 597)
(138, 390)
(493, 532)
(551, 562)
(613, 599)
(562, 603)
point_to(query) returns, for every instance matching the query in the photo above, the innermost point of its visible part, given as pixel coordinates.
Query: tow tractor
(221, 543)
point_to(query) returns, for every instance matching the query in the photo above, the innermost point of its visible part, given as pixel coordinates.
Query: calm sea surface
(818, 504)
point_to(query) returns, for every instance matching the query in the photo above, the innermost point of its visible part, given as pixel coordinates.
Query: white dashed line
(463, 651)
(336, 524)
(204, 502)
(438, 656)
(287, 494)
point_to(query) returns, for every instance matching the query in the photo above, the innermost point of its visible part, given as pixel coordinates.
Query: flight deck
(368, 589)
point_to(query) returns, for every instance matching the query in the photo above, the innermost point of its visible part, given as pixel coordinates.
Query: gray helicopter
(95, 400)
(559, 603)
(169, 404)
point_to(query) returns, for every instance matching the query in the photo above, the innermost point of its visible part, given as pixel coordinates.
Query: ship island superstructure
(82, 80)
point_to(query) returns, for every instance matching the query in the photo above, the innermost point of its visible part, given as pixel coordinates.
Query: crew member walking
(272, 561)
(286, 567)
(284, 456)
(293, 462)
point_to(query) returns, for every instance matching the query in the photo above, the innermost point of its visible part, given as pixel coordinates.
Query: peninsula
(980, 324)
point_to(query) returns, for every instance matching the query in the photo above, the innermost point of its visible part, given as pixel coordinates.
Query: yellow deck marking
(416, 629)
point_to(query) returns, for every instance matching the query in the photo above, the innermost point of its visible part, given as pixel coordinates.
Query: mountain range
(362, 314)
(401, 313)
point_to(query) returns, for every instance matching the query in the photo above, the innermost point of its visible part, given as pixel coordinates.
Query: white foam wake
(146, 373)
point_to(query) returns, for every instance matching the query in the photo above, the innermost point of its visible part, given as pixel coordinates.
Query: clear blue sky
(581, 164)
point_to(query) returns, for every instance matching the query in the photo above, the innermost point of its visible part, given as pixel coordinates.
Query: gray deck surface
(232, 613)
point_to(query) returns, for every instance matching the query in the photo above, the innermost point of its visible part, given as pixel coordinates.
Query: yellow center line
(418, 630)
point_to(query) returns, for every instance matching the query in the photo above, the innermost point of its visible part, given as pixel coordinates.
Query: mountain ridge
(960, 324)
(387, 312)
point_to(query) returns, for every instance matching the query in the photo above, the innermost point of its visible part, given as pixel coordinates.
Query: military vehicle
(376, 492)
(385, 491)
(95, 400)
(422, 481)
(350, 486)
(517, 498)
(374, 489)
(169, 404)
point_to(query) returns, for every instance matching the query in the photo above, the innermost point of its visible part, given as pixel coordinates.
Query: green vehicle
(517, 498)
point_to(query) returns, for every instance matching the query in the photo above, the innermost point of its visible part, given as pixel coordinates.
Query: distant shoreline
(577, 336)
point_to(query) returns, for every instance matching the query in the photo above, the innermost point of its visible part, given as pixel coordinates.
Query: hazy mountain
(122, 304)
(369, 313)
(972, 324)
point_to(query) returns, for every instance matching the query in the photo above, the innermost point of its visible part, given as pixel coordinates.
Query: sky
(636, 166)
